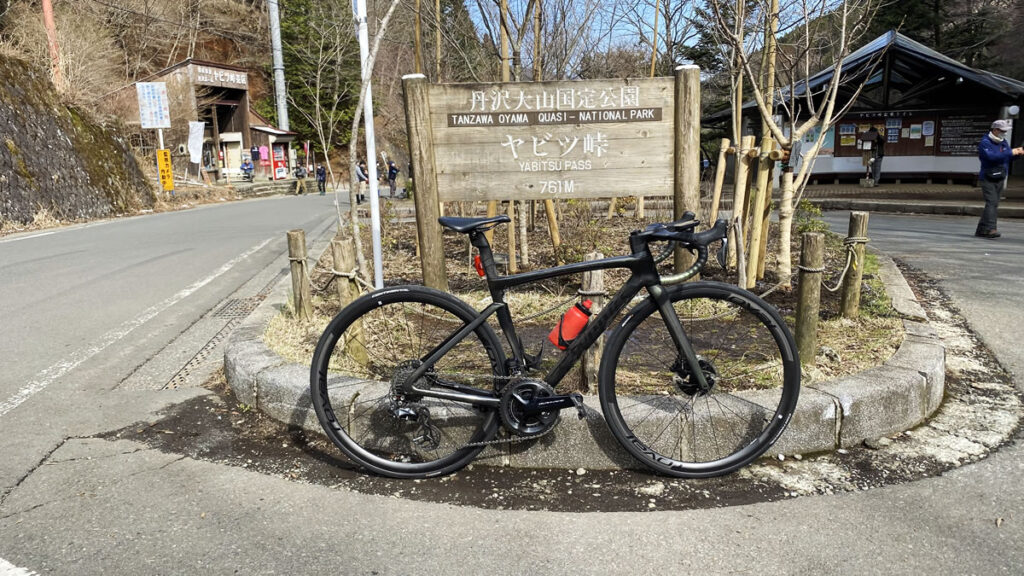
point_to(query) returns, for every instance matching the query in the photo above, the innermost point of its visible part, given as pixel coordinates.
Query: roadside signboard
(546, 140)
(154, 111)
(163, 164)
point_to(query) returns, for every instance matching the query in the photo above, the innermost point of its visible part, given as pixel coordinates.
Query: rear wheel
(359, 373)
(655, 406)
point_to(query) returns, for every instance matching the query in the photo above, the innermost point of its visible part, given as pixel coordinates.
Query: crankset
(530, 407)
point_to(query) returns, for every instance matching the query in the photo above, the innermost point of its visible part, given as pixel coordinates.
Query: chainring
(514, 399)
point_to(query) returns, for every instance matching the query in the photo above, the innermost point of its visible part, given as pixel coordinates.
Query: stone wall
(56, 158)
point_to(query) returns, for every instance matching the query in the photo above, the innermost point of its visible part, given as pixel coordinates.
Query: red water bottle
(570, 325)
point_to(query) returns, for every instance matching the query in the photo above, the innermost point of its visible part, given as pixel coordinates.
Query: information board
(959, 135)
(154, 111)
(564, 139)
(163, 165)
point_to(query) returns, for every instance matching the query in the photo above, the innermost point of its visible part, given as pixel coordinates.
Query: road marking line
(26, 237)
(8, 569)
(58, 370)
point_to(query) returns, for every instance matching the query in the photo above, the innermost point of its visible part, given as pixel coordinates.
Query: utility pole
(51, 40)
(371, 145)
(280, 91)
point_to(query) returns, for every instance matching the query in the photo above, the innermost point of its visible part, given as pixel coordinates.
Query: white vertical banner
(195, 141)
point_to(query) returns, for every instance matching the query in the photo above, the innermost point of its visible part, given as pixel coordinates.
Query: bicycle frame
(644, 275)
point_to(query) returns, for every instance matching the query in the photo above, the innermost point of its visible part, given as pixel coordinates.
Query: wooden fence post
(812, 258)
(850, 302)
(765, 227)
(593, 282)
(556, 239)
(421, 149)
(492, 211)
(739, 195)
(716, 193)
(686, 193)
(348, 290)
(302, 298)
(758, 201)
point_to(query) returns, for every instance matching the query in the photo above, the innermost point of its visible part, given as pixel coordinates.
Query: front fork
(675, 330)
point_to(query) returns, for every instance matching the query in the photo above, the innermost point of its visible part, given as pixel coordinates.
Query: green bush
(808, 219)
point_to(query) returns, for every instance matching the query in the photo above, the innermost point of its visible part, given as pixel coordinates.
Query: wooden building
(931, 109)
(217, 94)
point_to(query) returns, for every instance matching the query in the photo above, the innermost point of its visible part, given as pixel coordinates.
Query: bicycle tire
(387, 331)
(652, 405)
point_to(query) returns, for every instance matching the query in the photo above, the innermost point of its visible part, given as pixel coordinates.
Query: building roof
(893, 42)
(916, 72)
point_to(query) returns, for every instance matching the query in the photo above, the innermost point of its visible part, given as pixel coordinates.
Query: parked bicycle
(696, 380)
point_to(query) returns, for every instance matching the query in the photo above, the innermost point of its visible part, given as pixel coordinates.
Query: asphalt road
(81, 505)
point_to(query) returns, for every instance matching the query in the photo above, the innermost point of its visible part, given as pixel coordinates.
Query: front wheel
(658, 411)
(360, 371)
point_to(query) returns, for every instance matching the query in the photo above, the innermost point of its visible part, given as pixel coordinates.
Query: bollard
(857, 233)
(592, 288)
(344, 264)
(302, 299)
(348, 290)
(812, 258)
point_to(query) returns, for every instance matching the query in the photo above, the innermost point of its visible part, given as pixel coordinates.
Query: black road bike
(696, 380)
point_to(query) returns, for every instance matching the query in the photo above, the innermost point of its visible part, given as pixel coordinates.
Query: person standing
(321, 179)
(392, 176)
(300, 179)
(364, 181)
(994, 154)
(877, 140)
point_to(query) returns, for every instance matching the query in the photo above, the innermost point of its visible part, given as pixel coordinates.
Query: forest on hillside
(108, 44)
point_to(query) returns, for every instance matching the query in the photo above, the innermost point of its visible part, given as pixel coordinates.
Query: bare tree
(326, 51)
(813, 25)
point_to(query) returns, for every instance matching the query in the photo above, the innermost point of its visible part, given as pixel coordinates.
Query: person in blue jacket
(995, 154)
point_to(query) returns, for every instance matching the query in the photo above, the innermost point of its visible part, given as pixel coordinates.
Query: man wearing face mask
(995, 154)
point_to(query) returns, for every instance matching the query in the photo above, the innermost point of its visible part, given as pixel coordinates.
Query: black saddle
(467, 225)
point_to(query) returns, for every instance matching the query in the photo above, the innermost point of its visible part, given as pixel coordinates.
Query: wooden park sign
(549, 140)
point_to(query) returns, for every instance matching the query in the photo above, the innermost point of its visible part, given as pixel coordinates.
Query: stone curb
(1011, 209)
(838, 413)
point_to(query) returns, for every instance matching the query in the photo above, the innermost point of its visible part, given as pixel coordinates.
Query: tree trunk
(786, 231)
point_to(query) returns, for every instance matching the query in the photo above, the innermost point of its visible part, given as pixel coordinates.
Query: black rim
(354, 399)
(658, 414)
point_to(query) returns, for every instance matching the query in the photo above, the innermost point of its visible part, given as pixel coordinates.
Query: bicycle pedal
(577, 401)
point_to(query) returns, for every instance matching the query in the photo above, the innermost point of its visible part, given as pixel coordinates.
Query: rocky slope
(56, 160)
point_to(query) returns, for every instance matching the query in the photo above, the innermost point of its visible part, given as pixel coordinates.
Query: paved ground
(83, 505)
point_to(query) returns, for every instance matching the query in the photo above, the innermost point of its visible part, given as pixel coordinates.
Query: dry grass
(849, 346)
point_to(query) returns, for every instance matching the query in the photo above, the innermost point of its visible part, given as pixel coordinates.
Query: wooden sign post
(548, 140)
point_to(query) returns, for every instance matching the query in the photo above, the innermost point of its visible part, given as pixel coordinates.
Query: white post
(371, 146)
(160, 137)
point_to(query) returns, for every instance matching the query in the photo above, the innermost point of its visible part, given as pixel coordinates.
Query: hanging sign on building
(163, 165)
(566, 139)
(221, 77)
(154, 111)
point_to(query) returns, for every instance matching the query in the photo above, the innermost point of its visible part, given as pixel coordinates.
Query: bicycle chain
(509, 440)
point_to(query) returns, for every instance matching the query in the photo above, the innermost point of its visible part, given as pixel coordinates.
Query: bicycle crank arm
(549, 403)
